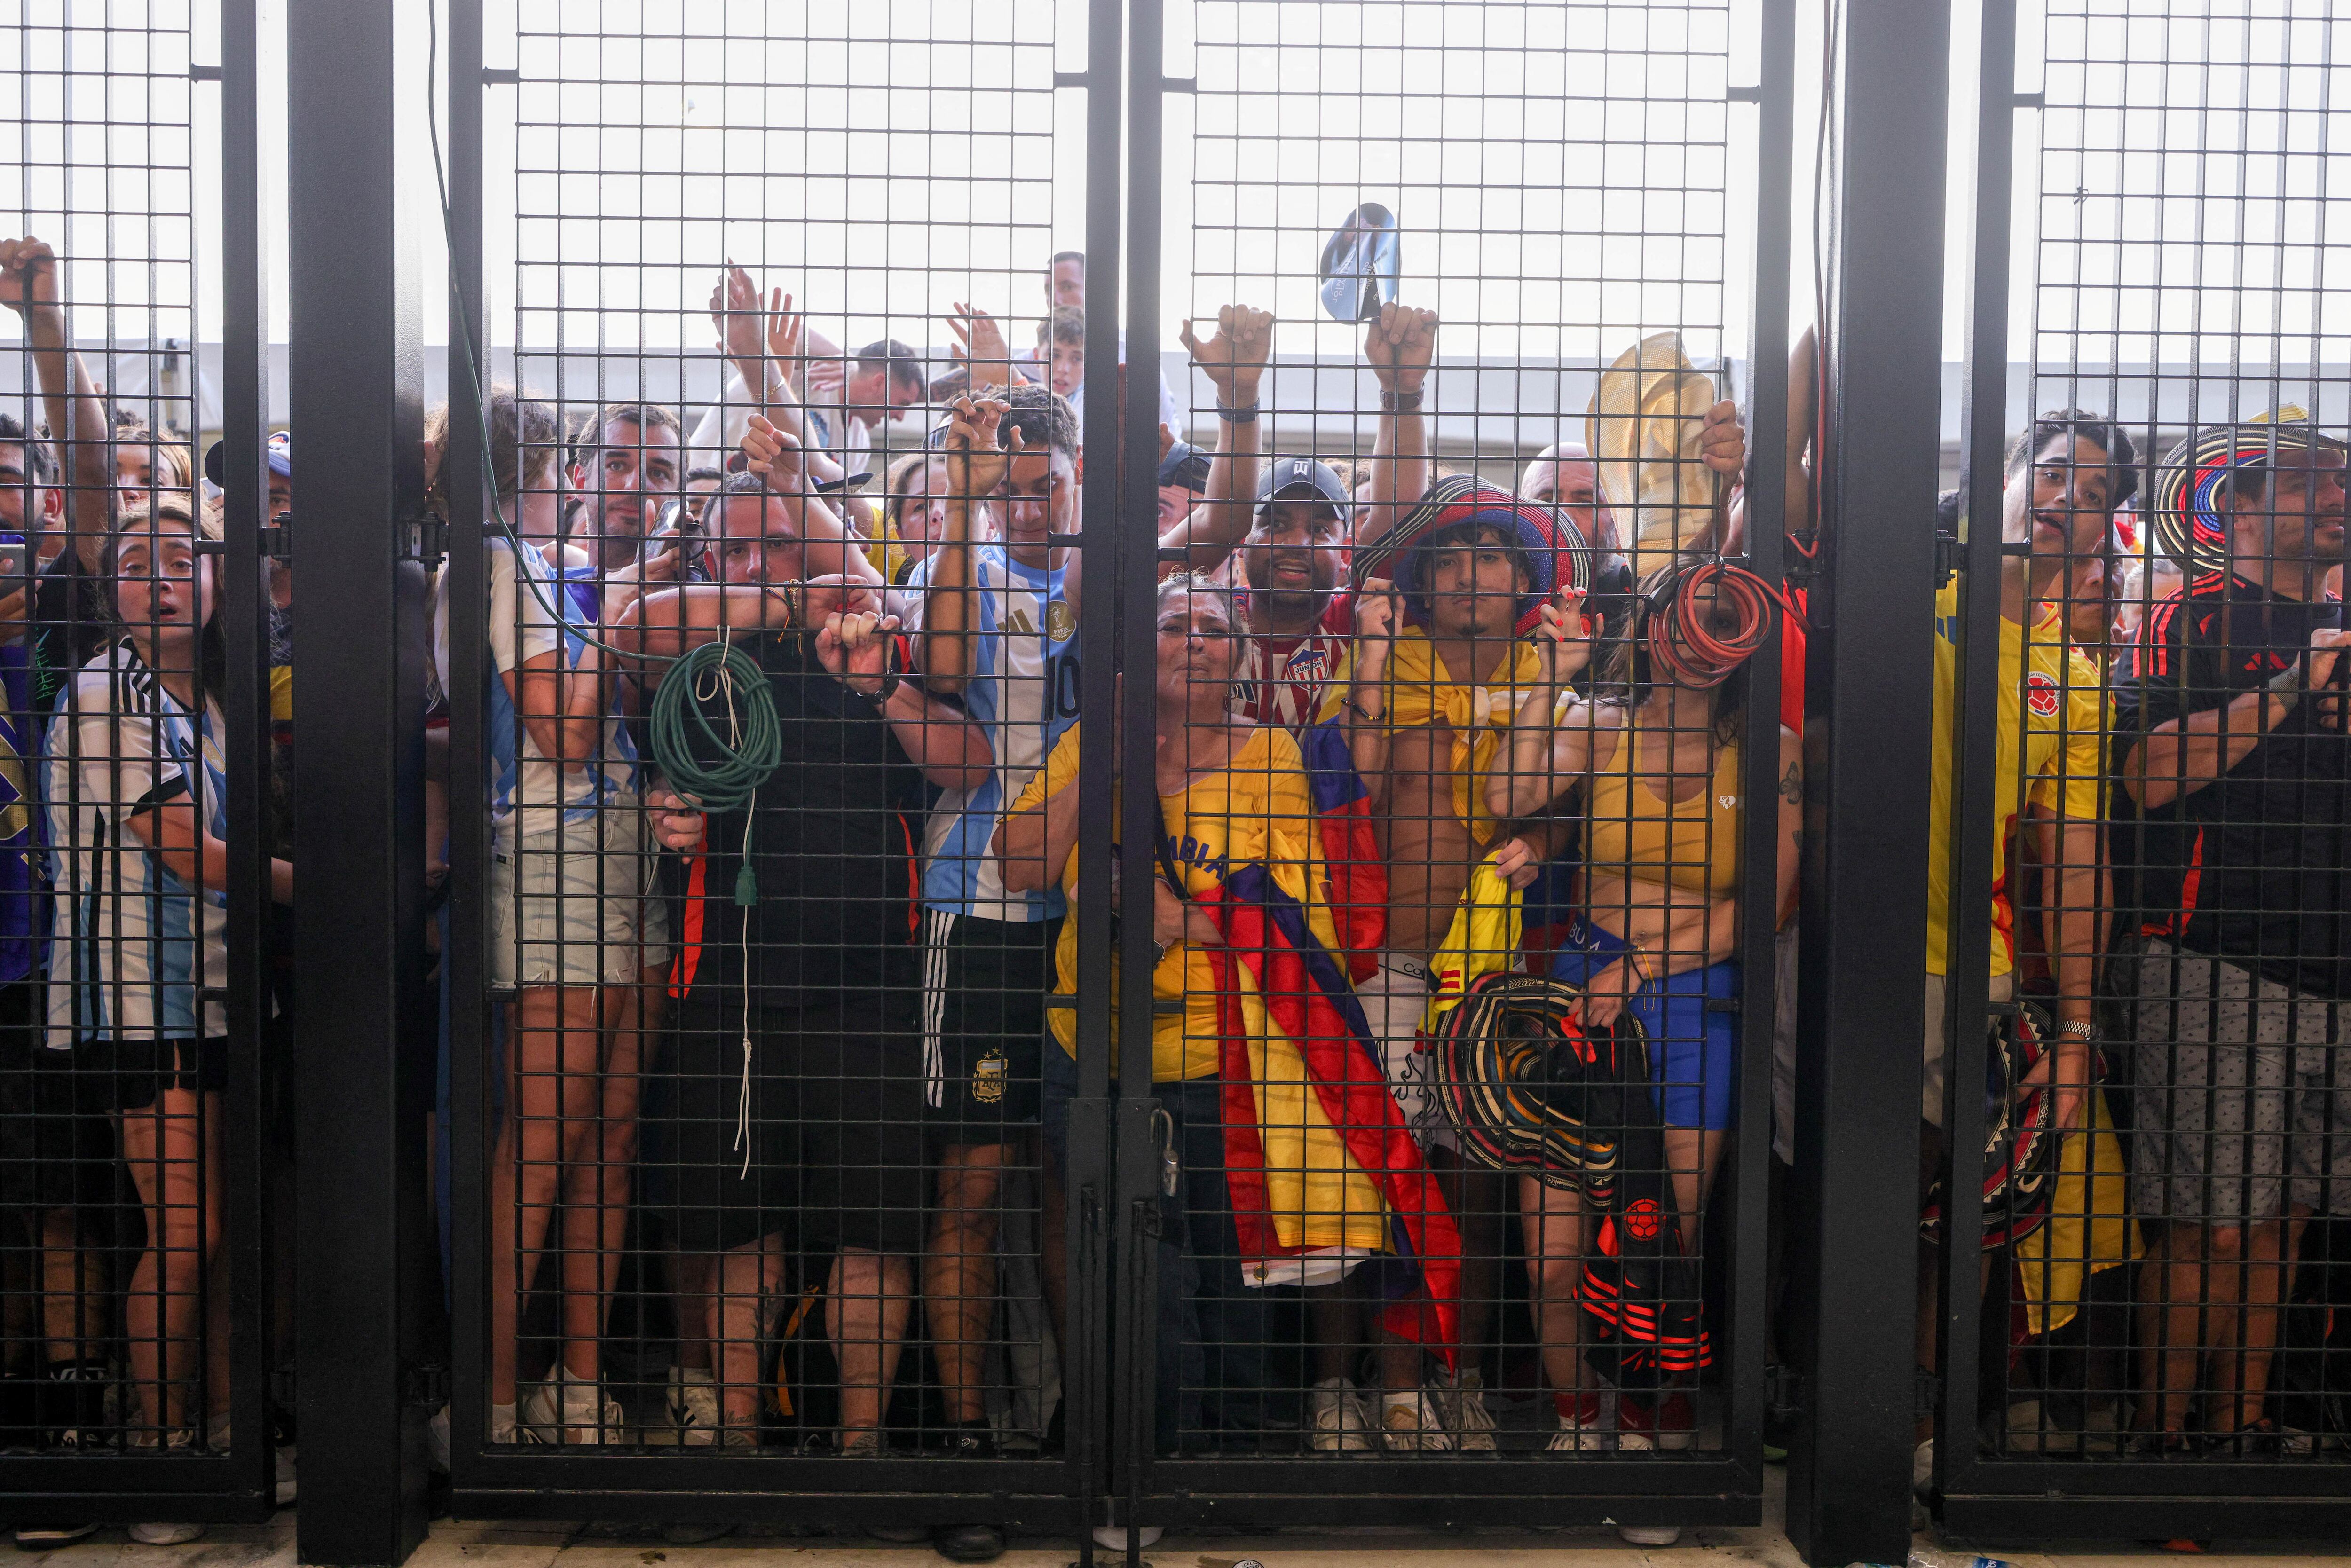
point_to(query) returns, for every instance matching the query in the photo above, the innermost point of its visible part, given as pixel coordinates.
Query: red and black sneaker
(1669, 1423)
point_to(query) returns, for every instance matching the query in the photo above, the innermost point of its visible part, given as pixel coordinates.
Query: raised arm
(977, 466)
(1399, 346)
(1379, 613)
(2181, 755)
(1234, 360)
(69, 400)
(980, 346)
(1548, 750)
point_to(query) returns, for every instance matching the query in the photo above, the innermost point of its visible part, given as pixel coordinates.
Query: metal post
(1976, 803)
(244, 428)
(1767, 417)
(1139, 1160)
(463, 956)
(1854, 1207)
(355, 104)
(1086, 1376)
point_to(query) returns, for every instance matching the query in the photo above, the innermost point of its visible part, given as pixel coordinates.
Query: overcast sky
(1568, 175)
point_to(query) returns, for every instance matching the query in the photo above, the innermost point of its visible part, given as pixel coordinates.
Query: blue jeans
(1212, 1327)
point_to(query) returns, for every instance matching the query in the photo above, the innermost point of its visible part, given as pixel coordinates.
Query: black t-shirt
(833, 846)
(2251, 866)
(71, 622)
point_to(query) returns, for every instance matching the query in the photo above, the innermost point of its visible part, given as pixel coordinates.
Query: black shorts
(57, 1144)
(831, 1107)
(137, 1071)
(984, 986)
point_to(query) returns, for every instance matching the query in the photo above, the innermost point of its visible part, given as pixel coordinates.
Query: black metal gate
(603, 232)
(141, 1276)
(2148, 1349)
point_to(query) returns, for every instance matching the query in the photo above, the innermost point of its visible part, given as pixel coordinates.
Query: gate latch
(1784, 1392)
(1926, 1397)
(424, 1386)
(424, 540)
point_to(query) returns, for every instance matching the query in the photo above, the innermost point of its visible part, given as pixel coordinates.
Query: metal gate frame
(1724, 1488)
(648, 1488)
(236, 1487)
(2016, 1497)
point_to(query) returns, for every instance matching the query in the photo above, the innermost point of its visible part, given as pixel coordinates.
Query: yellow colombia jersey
(1255, 809)
(2052, 728)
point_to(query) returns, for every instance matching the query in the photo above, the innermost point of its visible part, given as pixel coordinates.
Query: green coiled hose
(748, 742)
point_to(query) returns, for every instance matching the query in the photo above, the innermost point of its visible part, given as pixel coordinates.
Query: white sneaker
(1409, 1423)
(503, 1427)
(694, 1416)
(584, 1416)
(1342, 1421)
(1586, 1432)
(1922, 1469)
(1649, 1534)
(284, 1475)
(1462, 1405)
(437, 1439)
(166, 1534)
(1111, 1538)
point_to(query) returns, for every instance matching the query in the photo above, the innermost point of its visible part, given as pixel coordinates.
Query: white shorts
(1392, 1001)
(566, 907)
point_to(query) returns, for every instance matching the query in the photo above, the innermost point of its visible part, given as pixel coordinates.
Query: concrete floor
(470, 1543)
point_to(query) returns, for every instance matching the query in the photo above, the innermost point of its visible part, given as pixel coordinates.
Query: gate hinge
(424, 1386)
(424, 540)
(1783, 1392)
(1926, 1395)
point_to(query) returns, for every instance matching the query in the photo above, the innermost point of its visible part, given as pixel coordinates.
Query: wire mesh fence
(2167, 844)
(778, 891)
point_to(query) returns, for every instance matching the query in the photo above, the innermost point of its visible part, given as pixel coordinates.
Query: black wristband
(1245, 414)
(1400, 401)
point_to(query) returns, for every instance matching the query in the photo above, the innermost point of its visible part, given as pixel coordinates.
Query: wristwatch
(2081, 1032)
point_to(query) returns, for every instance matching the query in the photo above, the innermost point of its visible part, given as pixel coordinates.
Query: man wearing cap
(1301, 622)
(2234, 761)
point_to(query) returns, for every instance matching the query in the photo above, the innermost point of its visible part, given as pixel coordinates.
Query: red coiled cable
(1684, 644)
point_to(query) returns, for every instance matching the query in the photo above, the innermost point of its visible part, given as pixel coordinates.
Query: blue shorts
(1693, 1048)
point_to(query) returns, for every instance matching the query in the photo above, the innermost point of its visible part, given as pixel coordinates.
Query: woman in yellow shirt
(1233, 798)
(1656, 761)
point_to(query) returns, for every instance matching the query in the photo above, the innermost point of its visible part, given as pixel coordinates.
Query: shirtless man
(1439, 662)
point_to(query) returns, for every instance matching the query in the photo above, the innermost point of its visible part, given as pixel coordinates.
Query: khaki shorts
(1938, 995)
(573, 907)
(1392, 1001)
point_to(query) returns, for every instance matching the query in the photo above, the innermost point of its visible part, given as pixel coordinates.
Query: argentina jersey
(134, 947)
(1023, 693)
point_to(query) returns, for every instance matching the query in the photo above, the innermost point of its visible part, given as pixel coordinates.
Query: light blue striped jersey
(1023, 693)
(133, 947)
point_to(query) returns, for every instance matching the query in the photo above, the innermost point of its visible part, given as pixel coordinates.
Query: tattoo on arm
(1792, 785)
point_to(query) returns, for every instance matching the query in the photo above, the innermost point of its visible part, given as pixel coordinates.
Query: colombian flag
(1308, 1115)
(1356, 879)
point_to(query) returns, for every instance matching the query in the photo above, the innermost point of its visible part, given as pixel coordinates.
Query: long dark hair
(1626, 678)
(145, 520)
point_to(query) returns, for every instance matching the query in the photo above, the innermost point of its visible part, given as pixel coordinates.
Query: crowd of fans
(784, 810)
